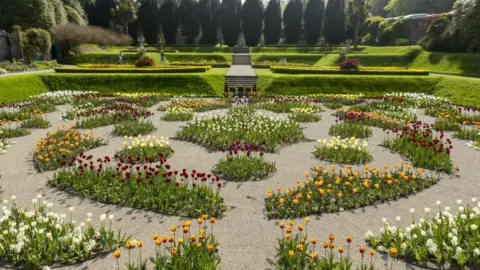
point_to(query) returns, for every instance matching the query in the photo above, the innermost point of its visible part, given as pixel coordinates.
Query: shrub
(3, 71)
(243, 163)
(349, 64)
(73, 34)
(161, 189)
(35, 42)
(145, 61)
(327, 190)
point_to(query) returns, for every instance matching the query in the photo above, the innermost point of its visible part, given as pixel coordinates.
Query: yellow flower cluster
(139, 94)
(145, 141)
(337, 143)
(178, 110)
(339, 96)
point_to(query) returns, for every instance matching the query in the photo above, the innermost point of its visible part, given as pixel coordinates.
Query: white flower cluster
(337, 143)
(21, 229)
(5, 144)
(455, 233)
(419, 99)
(148, 141)
(305, 110)
(60, 97)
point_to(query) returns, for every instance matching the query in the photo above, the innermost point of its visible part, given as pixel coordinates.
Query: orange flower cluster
(58, 149)
(327, 189)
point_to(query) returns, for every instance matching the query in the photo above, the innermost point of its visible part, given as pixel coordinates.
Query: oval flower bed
(444, 240)
(243, 163)
(242, 125)
(197, 105)
(59, 149)
(144, 149)
(345, 151)
(152, 187)
(327, 190)
(35, 238)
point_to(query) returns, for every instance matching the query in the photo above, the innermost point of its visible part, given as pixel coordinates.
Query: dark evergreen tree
(334, 22)
(292, 21)
(209, 22)
(169, 20)
(99, 13)
(252, 21)
(149, 20)
(230, 19)
(313, 20)
(272, 23)
(190, 25)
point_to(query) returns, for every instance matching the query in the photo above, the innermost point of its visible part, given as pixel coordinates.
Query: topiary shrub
(35, 42)
(145, 61)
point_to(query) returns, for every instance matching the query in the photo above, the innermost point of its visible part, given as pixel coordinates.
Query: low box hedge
(212, 64)
(361, 71)
(306, 59)
(135, 70)
(210, 83)
(269, 83)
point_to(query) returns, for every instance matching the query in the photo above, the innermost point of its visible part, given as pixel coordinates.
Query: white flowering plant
(5, 144)
(418, 100)
(60, 97)
(30, 239)
(143, 149)
(178, 114)
(242, 124)
(345, 151)
(444, 240)
(308, 114)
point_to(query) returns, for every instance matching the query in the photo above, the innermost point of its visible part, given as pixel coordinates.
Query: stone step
(241, 50)
(241, 59)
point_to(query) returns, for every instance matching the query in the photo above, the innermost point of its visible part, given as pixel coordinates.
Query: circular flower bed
(330, 191)
(242, 125)
(144, 149)
(35, 238)
(348, 130)
(345, 151)
(241, 164)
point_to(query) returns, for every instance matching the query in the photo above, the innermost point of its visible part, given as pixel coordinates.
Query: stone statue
(241, 41)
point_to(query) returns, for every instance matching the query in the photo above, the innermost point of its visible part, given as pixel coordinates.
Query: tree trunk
(125, 27)
(356, 38)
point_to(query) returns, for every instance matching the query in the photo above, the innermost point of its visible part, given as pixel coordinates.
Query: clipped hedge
(19, 88)
(307, 59)
(135, 70)
(206, 84)
(130, 58)
(269, 83)
(212, 64)
(361, 71)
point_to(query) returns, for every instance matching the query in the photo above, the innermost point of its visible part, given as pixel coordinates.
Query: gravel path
(246, 237)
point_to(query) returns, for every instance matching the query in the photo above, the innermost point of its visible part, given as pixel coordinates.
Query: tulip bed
(155, 187)
(327, 190)
(242, 125)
